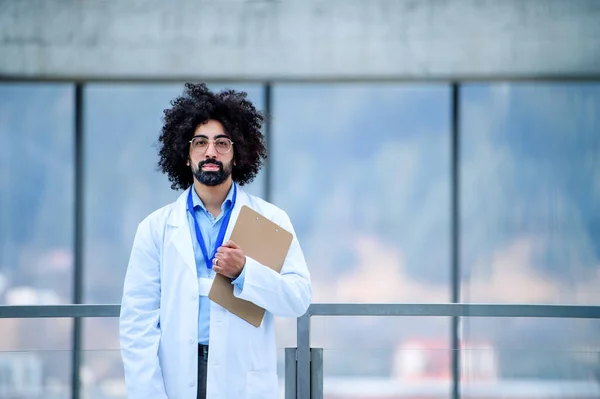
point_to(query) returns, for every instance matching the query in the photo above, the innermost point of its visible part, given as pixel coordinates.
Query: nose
(211, 151)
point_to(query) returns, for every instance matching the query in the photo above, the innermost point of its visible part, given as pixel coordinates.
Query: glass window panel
(530, 193)
(101, 359)
(35, 365)
(384, 357)
(363, 172)
(530, 358)
(122, 184)
(36, 193)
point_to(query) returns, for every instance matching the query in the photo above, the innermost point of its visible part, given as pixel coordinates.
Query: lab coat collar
(182, 237)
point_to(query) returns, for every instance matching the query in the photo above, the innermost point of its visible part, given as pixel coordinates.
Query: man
(175, 342)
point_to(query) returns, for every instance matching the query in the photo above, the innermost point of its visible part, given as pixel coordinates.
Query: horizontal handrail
(341, 309)
(453, 310)
(58, 311)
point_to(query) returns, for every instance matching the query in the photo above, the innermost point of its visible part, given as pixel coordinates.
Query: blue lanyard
(220, 236)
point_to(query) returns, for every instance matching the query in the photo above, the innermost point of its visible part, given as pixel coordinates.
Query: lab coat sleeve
(285, 294)
(139, 329)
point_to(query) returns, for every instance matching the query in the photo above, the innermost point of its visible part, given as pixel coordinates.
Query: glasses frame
(211, 141)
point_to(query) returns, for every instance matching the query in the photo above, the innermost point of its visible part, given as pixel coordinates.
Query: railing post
(303, 352)
(290, 373)
(316, 373)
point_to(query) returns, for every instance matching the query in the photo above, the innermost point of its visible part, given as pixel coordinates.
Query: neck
(213, 196)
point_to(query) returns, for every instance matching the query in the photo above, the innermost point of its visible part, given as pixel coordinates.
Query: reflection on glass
(34, 365)
(101, 359)
(530, 193)
(103, 374)
(122, 184)
(363, 171)
(384, 350)
(530, 218)
(531, 358)
(35, 374)
(36, 193)
(419, 371)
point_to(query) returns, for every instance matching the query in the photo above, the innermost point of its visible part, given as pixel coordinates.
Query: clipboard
(262, 240)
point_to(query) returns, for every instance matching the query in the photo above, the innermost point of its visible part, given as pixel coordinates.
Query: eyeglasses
(199, 145)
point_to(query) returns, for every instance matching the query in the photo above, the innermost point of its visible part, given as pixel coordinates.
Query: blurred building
(381, 113)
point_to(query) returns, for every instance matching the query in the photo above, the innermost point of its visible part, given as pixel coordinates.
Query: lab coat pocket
(262, 385)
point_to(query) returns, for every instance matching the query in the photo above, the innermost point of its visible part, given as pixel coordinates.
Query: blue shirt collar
(224, 207)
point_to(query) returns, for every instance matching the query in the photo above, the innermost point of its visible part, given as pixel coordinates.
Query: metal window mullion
(455, 236)
(268, 132)
(78, 240)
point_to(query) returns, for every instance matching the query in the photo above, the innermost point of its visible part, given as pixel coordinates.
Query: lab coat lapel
(182, 237)
(242, 199)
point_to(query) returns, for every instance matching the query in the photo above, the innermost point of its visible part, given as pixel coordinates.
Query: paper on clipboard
(262, 240)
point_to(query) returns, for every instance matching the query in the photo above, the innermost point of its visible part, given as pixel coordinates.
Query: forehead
(210, 129)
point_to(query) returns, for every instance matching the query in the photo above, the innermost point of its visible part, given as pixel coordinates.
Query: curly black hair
(198, 105)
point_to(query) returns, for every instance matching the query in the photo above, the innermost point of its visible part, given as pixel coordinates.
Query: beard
(212, 178)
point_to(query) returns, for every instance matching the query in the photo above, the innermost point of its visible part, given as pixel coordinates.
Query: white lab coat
(159, 312)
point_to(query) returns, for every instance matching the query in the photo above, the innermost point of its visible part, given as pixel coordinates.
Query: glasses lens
(222, 145)
(199, 144)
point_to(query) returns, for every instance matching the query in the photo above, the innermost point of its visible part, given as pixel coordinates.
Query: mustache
(210, 161)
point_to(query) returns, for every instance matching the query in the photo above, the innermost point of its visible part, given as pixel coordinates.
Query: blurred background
(426, 151)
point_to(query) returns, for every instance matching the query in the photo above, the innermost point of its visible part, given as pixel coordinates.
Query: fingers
(229, 256)
(222, 260)
(227, 247)
(224, 270)
(219, 265)
(232, 244)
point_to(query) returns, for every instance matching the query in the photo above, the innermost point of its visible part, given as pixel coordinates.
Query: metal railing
(307, 363)
(303, 364)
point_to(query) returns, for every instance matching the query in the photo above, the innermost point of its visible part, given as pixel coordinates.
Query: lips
(210, 166)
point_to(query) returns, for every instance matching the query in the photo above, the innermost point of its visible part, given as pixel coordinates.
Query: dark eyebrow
(218, 136)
